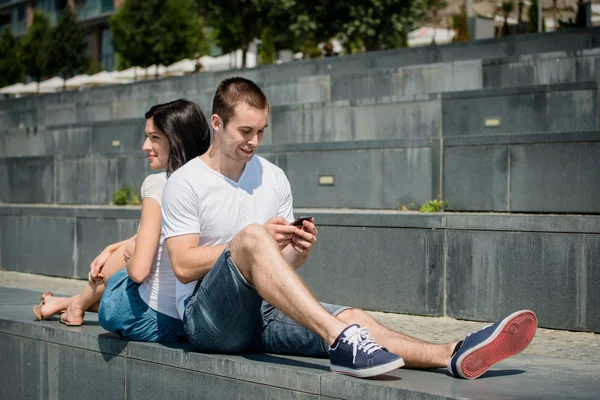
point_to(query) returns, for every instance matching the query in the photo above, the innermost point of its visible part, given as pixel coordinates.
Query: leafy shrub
(433, 206)
(126, 195)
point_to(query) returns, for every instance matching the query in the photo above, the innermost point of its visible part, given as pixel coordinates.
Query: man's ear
(216, 122)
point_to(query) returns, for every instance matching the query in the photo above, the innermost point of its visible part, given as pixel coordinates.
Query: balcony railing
(92, 8)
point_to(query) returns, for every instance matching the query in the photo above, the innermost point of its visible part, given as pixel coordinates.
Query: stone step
(45, 359)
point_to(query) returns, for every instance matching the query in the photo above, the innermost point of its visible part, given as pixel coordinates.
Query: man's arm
(191, 262)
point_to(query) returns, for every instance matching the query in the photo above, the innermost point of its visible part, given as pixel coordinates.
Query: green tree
(507, 8)
(361, 24)
(236, 22)
(532, 14)
(69, 46)
(11, 66)
(382, 24)
(433, 14)
(460, 25)
(267, 48)
(147, 32)
(37, 45)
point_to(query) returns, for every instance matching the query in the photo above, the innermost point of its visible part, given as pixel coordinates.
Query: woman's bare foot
(73, 316)
(52, 305)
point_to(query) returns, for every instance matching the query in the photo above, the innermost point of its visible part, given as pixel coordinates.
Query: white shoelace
(360, 339)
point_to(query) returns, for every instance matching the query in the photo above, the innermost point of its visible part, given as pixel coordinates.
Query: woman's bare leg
(89, 298)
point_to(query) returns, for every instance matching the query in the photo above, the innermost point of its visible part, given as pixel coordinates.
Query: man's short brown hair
(234, 91)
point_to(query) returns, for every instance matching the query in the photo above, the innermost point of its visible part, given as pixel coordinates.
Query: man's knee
(248, 241)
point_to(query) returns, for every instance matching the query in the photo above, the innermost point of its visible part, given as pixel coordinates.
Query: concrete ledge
(48, 360)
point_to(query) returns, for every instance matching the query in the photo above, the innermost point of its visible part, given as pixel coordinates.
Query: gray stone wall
(468, 266)
(506, 62)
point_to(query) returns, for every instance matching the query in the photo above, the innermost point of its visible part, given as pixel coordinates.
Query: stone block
(146, 380)
(60, 114)
(23, 368)
(70, 365)
(587, 67)
(530, 71)
(571, 111)
(588, 304)
(358, 182)
(132, 170)
(420, 118)
(555, 177)
(515, 112)
(129, 134)
(370, 84)
(492, 274)
(18, 143)
(27, 180)
(310, 89)
(75, 140)
(407, 177)
(85, 179)
(439, 78)
(476, 178)
(93, 235)
(39, 245)
(386, 269)
(310, 124)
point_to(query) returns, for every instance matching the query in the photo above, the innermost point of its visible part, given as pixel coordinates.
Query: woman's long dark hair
(186, 128)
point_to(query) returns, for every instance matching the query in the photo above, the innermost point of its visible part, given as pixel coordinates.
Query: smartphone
(299, 220)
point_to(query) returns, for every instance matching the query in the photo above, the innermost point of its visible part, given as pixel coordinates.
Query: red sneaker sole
(513, 338)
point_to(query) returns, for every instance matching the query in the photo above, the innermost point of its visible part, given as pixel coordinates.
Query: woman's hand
(96, 265)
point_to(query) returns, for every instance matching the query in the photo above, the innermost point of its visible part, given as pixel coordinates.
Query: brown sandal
(43, 297)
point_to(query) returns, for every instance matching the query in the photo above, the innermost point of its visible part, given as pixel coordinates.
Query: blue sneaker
(491, 344)
(356, 353)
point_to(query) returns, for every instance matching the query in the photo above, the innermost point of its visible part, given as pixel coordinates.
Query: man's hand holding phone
(305, 236)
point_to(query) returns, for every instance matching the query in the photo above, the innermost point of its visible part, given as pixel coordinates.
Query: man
(226, 221)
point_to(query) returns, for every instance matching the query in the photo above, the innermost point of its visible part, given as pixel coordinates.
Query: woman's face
(156, 145)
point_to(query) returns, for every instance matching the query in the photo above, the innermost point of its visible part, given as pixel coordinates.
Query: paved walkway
(554, 343)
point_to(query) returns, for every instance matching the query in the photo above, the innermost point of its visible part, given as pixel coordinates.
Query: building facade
(93, 14)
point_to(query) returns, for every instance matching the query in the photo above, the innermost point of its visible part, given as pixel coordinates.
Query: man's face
(244, 132)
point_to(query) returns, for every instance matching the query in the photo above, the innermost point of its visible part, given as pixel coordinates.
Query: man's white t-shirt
(200, 200)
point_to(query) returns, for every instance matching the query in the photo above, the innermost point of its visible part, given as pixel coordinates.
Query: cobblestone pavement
(555, 343)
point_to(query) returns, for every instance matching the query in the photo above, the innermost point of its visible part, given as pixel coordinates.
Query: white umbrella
(12, 89)
(217, 63)
(424, 36)
(77, 81)
(181, 67)
(104, 78)
(151, 71)
(52, 84)
(132, 73)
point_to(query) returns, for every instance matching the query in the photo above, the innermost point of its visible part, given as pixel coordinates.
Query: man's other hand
(281, 231)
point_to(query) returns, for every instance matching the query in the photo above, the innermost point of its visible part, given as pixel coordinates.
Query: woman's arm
(98, 263)
(148, 237)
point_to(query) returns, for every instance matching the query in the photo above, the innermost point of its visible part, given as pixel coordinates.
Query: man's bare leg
(416, 353)
(259, 260)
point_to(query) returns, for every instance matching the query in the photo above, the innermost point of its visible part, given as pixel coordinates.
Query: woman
(138, 302)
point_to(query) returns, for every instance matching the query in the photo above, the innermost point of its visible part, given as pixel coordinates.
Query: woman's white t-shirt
(158, 289)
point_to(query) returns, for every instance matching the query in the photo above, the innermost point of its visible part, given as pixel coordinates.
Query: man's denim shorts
(123, 311)
(225, 314)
